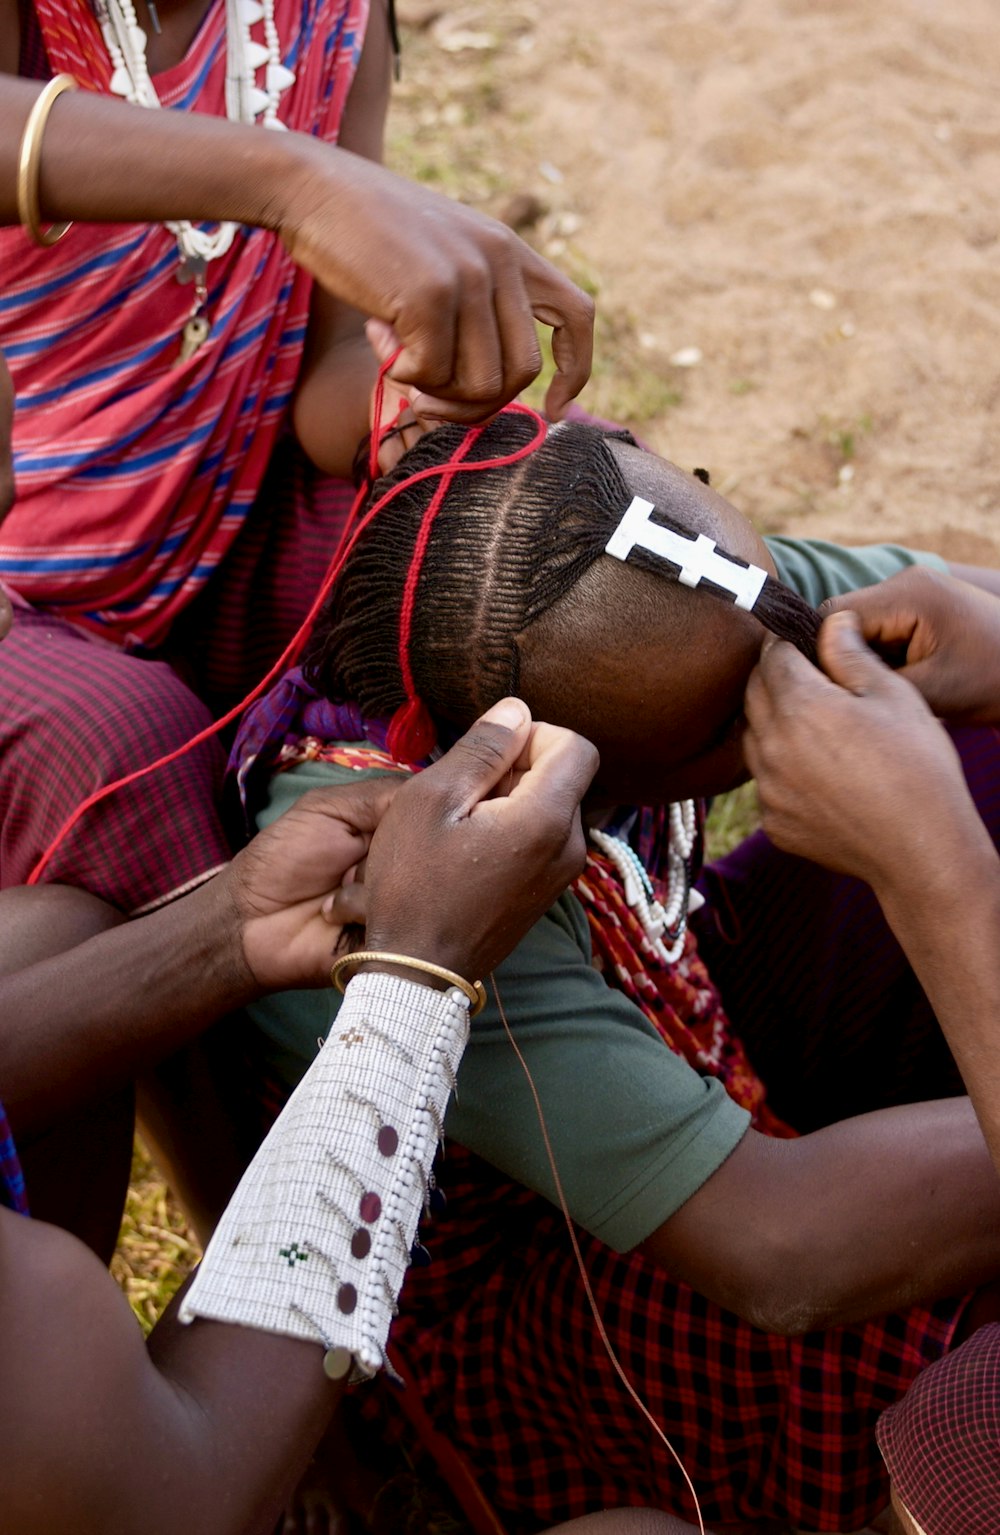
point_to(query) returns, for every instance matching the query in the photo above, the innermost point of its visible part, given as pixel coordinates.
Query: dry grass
(156, 1247)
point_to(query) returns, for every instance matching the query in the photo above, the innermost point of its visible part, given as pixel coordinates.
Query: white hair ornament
(697, 559)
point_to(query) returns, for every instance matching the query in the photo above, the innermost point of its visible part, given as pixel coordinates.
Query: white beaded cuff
(316, 1240)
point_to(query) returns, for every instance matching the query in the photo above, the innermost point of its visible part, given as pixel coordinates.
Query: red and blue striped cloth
(13, 1195)
(134, 475)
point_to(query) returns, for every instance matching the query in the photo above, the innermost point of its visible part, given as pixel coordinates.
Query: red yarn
(413, 731)
(411, 735)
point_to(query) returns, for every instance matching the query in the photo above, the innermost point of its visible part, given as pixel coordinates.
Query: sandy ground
(800, 199)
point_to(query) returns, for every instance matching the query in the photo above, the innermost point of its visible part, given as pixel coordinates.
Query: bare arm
(330, 412)
(206, 1429)
(856, 773)
(865, 1216)
(209, 1427)
(108, 1008)
(625, 1521)
(417, 261)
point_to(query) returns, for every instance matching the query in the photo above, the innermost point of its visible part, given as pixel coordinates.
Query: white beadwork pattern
(316, 1240)
(246, 101)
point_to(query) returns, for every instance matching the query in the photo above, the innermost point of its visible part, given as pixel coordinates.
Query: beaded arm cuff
(316, 1240)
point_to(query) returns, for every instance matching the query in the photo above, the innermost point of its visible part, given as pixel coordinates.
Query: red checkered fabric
(941, 1443)
(497, 1339)
(34, 61)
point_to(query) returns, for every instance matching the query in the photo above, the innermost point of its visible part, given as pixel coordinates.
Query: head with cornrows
(499, 581)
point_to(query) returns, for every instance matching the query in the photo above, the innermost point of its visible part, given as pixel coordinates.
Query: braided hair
(505, 545)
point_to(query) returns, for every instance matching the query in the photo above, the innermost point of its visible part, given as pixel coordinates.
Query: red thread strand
(349, 537)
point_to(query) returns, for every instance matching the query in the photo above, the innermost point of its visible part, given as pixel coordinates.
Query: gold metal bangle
(474, 990)
(29, 161)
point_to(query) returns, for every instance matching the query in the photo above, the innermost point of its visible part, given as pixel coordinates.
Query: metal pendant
(193, 336)
(192, 269)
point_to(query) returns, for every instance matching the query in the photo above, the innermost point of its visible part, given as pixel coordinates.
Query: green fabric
(816, 569)
(635, 1130)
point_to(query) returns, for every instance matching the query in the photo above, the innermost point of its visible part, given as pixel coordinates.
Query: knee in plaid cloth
(941, 1443)
(76, 714)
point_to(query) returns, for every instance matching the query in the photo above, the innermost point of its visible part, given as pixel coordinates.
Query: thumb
(477, 762)
(846, 658)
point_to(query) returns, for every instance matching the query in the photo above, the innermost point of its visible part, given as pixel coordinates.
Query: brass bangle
(474, 990)
(29, 161)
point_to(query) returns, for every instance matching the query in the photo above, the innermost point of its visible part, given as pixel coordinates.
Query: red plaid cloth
(76, 713)
(941, 1443)
(34, 61)
(496, 1338)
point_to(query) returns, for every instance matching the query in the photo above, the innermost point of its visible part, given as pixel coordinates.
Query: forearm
(625, 1521)
(893, 1208)
(220, 1386)
(862, 1217)
(330, 414)
(947, 919)
(219, 1421)
(105, 1010)
(97, 154)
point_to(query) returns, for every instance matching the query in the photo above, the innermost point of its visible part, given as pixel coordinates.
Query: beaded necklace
(659, 921)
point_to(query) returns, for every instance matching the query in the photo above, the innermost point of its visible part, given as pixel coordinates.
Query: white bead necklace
(246, 102)
(658, 919)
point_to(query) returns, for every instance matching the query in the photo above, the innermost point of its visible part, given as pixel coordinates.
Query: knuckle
(484, 385)
(525, 368)
(485, 748)
(586, 306)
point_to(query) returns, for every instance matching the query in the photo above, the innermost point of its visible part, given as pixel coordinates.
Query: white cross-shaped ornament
(697, 557)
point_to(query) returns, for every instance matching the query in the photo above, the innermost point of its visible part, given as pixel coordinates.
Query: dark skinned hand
(853, 771)
(452, 874)
(489, 836)
(943, 634)
(459, 292)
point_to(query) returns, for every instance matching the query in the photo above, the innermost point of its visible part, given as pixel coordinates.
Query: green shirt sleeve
(817, 570)
(635, 1130)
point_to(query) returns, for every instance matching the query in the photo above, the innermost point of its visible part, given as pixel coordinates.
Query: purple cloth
(287, 712)
(941, 1443)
